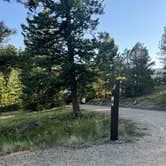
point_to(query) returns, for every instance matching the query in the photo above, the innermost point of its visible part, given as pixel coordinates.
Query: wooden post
(115, 112)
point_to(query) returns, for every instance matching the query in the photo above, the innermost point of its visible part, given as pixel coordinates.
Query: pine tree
(138, 71)
(9, 58)
(5, 32)
(163, 48)
(10, 90)
(41, 67)
(27, 3)
(163, 54)
(63, 30)
(107, 51)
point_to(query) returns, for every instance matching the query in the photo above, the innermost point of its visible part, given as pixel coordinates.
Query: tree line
(64, 58)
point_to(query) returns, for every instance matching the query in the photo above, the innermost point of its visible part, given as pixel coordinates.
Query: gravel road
(148, 151)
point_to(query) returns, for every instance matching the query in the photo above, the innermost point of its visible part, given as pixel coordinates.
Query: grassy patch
(157, 98)
(57, 127)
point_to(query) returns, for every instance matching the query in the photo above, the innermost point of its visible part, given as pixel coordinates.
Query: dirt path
(148, 151)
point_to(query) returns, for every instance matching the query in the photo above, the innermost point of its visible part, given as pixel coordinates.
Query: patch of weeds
(58, 127)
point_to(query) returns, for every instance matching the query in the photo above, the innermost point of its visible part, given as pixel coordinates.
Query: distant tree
(10, 89)
(8, 54)
(107, 51)
(63, 30)
(27, 3)
(10, 84)
(138, 71)
(5, 32)
(9, 58)
(163, 53)
(163, 48)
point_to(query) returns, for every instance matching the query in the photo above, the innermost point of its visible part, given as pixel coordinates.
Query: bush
(10, 108)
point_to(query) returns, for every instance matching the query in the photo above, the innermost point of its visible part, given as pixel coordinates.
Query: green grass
(57, 127)
(158, 98)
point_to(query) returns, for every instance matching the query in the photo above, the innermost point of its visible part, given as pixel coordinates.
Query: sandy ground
(148, 151)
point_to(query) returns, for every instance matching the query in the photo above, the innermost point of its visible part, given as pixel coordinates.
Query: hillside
(156, 100)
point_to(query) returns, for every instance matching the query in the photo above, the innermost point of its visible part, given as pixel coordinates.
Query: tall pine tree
(62, 31)
(138, 71)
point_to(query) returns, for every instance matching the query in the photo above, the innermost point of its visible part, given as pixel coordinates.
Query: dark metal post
(115, 112)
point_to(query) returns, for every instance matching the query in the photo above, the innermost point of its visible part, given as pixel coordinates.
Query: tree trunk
(73, 83)
(72, 73)
(75, 103)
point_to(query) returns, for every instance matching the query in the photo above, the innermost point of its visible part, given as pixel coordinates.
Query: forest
(66, 61)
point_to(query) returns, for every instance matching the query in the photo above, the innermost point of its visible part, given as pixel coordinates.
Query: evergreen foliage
(163, 54)
(138, 71)
(61, 31)
(64, 57)
(163, 48)
(10, 85)
(5, 32)
(104, 60)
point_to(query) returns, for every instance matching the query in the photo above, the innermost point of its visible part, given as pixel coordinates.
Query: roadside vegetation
(58, 127)
(156, 100)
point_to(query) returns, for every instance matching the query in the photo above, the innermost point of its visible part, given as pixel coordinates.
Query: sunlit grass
(58, 127)
(7, 117)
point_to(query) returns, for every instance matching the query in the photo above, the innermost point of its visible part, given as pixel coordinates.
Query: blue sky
(127, 21)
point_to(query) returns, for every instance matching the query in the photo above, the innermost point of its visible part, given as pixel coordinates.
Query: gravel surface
(148, 151)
